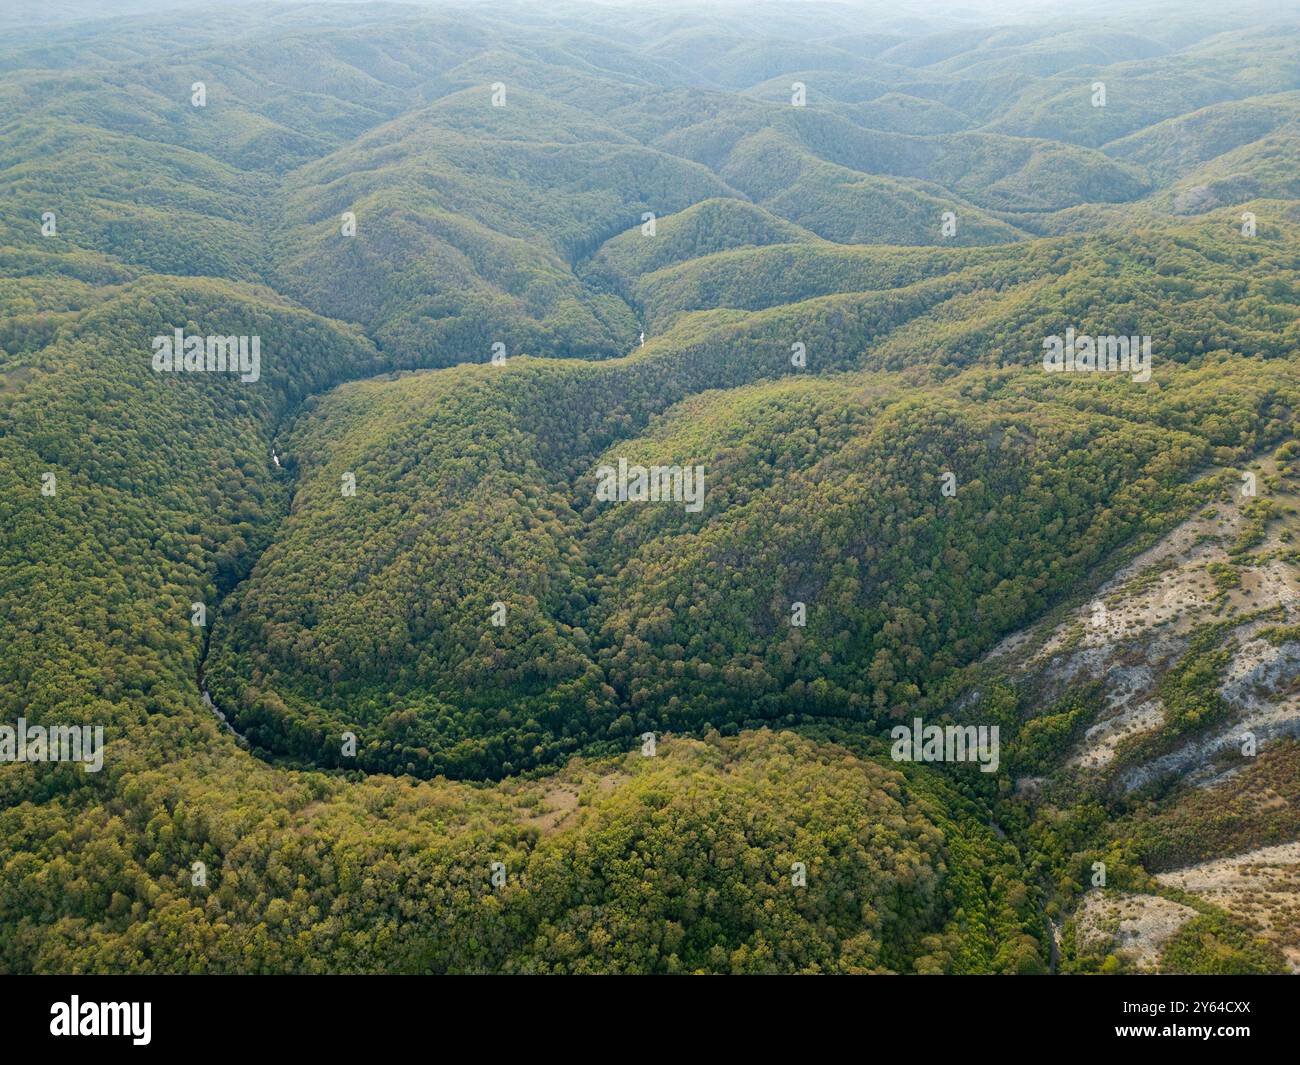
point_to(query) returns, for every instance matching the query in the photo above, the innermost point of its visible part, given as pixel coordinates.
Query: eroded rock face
(1259, 671)
(1132, 925)
(1139, 624)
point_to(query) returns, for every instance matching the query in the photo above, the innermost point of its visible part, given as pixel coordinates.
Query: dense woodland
(776, 227)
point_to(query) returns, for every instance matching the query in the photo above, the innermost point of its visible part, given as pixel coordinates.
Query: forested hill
(473, 714)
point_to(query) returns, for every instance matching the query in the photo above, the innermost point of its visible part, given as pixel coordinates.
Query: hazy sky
(44, 10)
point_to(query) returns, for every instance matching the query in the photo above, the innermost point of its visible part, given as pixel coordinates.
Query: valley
(615, 422)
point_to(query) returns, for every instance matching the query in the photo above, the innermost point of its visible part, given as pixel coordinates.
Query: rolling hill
(390, 682)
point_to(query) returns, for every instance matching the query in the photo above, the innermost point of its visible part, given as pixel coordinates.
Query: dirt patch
(558, 804)
(610, 781)
(1262, 885)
